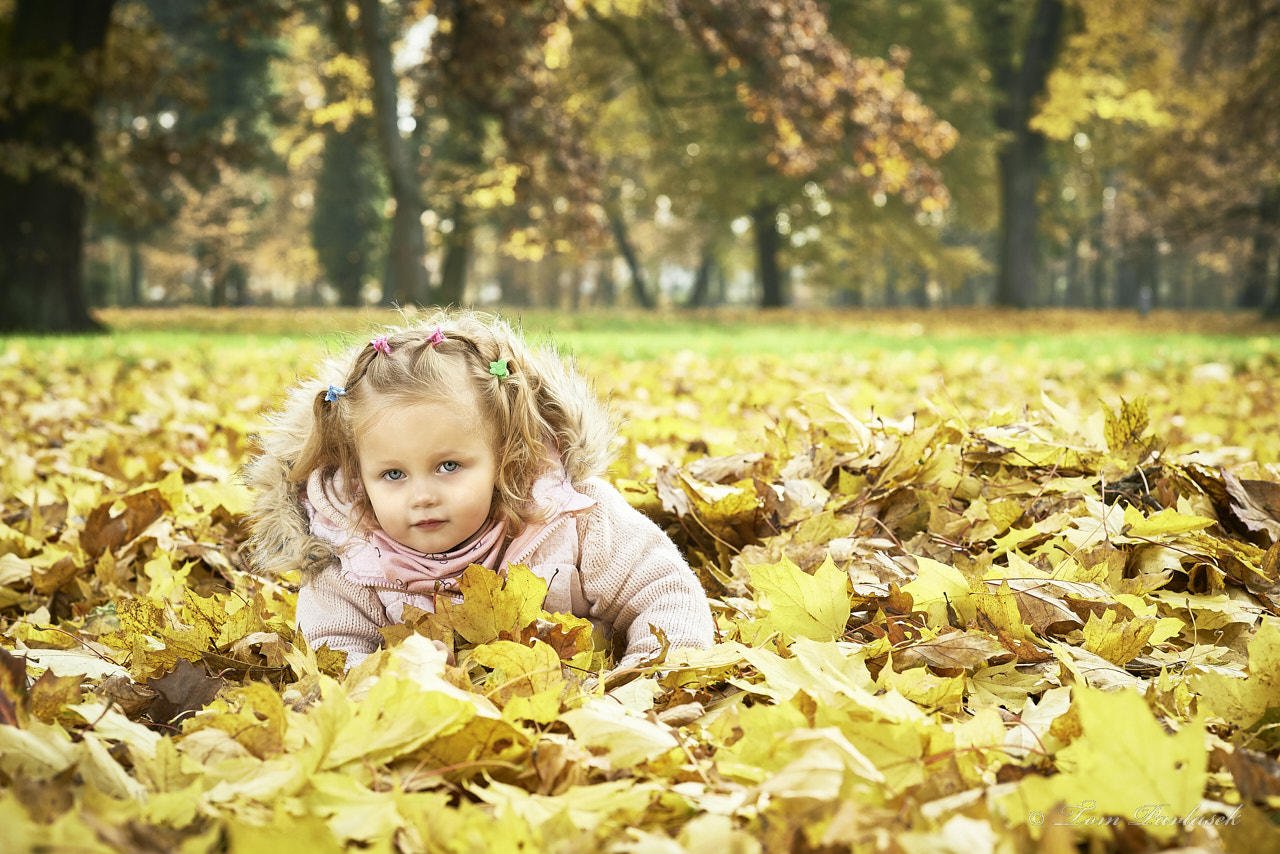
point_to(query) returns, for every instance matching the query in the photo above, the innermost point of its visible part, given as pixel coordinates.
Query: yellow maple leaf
(802, 605)
(526, 681)
(936, 586)
(1125, 426)
(923, 687)
(1165, 523)
(1124, 768)
(1244, 701)
(1000, 609)
(253, 715)
(1118, 641)
(492, 606)
(397, 717)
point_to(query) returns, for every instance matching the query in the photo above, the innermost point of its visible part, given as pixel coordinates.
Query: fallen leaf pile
(951, 622)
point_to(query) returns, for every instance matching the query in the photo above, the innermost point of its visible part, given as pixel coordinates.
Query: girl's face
(429, 471)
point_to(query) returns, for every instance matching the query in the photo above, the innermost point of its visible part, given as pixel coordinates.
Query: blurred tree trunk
(210, 267)
(1272, 309)
(700, 296)
(1126, 289)
(575, 288)
(606, 290)
(1020, 72)
(339, 233)
(720, 293)
(133, 296)
(514, 286)
(891, 297)
(1074, 296)
(238, 278)
(406, 280)
(1148, 264)
(1258, 267)
(457, 258)
(42, 217)
(639, 289)
(920, 293)
(344, 216)
(550, 269)
(764, 221)
(1098, 269)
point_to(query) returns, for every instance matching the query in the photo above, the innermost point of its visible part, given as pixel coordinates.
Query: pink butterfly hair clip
(436, 337)
(380, 344)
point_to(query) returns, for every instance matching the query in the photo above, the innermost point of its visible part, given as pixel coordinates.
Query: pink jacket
(601, 558)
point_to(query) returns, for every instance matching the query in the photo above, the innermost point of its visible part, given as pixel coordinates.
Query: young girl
(447, 444)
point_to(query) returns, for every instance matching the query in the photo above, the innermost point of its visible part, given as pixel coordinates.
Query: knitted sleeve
(635, 577)
(340, 613)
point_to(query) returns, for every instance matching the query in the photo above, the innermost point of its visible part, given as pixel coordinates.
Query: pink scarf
(372, 558)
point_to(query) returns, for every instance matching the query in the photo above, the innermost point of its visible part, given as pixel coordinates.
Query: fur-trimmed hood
(281, 540)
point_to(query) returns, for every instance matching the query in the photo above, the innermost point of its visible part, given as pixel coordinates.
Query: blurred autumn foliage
(1023, 601)
(643, 152)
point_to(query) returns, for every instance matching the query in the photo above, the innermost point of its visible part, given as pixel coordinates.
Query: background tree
(1146, 93)
(1022, 39)
(47, 136)
(745, 107)
(860, 242)
(406, 281)
(347, 219)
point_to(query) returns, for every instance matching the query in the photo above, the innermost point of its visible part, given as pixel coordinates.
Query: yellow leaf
(935, 586)
(924, 688)
(841, 426)
(253, 715)
(828, 674)
(1116, 641)
(625, 737)
(526, 681)
(1244, 701)
(1165, 523)
(1125, 426)
(802, 605)
(353, 810)
(1123, 766)
(285, 832)
(396, 718)
(1000, 609)
(492, 606)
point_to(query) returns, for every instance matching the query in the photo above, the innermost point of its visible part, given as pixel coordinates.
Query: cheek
(374, 502)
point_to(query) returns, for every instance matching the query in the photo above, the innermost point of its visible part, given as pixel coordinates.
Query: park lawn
(681, 378)
(1056, 334)
(966, 569)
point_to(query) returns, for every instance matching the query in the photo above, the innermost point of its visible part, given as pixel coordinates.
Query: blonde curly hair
(530, 414)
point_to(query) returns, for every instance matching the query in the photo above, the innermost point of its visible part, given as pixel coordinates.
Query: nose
(423, 495)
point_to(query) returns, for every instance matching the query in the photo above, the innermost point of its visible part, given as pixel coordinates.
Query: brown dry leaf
(1037, 602)
(953, 652)
(104, 531)
(1256, 503)
(182, 691)
(131, 698)
(51, 694)
(1256, 775)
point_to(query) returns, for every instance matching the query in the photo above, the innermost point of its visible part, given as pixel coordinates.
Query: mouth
(428, 524)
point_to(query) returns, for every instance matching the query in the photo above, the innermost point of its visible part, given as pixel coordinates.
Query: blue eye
(450, 466)
(393, 474)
